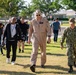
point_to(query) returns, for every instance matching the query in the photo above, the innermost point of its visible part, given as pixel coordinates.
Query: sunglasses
(37, 15)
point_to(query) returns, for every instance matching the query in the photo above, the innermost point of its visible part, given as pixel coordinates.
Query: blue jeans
(55, 35)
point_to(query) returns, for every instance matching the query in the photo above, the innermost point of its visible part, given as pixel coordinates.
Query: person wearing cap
(12, 33)
(70, 36)
(39, 30)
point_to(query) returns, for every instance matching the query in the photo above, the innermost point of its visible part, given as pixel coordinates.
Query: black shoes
(71, 69)
(19, 50)
(42, 66)
(74, 64)
(32, 68)
(22, 51)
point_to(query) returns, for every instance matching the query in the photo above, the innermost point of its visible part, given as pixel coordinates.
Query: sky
(28, 1)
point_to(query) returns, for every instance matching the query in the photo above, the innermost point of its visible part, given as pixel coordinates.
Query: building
(65, 14)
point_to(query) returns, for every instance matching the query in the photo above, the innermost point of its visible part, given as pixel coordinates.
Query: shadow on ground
(23, 56)
(56, 54)
(56, 67)
(53, 46)
(15, 73)
(27, 48)
(24, 66)
(28, 44)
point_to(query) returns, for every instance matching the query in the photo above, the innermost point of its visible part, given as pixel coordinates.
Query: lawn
(65, 24)
(56, 62)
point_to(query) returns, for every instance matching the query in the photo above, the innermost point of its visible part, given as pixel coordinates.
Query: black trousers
(55, 35)
(12, 44)
(1, 48)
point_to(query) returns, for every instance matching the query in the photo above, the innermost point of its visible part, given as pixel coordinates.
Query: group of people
(39, 32)
(15, 33)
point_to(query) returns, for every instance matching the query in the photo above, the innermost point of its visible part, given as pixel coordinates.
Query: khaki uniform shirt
(39, 30)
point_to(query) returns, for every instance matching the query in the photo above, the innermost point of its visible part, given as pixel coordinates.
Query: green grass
(65, 24)
(56, 62)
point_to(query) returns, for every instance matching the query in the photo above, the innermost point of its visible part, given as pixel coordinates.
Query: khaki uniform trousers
(36, 43)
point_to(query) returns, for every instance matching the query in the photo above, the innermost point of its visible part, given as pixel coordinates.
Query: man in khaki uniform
(39, 30)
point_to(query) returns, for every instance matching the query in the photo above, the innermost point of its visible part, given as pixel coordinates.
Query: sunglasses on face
(37, 15)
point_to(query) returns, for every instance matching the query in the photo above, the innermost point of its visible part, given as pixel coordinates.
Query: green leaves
(46, 6)
(11, 7)
(70, 4)
(18, 7)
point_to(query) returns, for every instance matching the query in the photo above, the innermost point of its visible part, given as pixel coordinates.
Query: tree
(11, 7)
(46, 6)
(69, 4)
(27, 11)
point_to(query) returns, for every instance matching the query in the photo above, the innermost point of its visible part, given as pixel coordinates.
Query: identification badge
(40, 22)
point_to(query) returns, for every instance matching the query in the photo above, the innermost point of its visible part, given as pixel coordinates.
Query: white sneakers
(12, 63)
(8, 61)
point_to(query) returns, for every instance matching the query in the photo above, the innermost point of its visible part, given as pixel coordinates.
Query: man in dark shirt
(12, 33)
(24, 28)
(56, 27)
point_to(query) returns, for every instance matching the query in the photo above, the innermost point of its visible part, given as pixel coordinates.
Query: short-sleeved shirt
(56, 25)
(24, 27)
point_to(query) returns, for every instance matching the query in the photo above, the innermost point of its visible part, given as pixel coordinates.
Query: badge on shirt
(40, 22)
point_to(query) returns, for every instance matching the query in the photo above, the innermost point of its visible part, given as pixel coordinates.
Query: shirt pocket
(42, 27)
(35, 27)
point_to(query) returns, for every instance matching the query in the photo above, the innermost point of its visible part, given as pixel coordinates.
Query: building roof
(69, 12)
